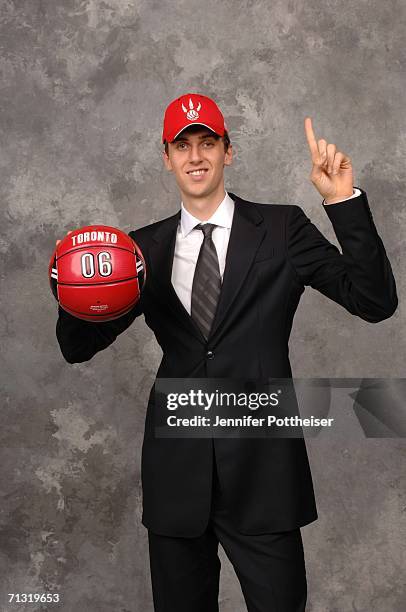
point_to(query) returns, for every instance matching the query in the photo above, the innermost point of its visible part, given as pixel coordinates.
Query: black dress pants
(270, 567)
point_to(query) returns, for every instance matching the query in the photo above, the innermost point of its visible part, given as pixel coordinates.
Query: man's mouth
(197, 172)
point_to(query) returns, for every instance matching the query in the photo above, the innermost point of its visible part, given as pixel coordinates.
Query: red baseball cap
(192, 109)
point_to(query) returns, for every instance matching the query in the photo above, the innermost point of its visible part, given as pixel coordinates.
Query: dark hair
(196, 128)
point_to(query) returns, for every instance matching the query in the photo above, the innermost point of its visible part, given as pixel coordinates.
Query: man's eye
(181, 145)
(208, 143)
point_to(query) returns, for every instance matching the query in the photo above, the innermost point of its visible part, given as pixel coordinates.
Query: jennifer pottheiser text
(248, 421)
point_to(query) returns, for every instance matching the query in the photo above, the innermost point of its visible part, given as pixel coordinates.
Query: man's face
(197, 159)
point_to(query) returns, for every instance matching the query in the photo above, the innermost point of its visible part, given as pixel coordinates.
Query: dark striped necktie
(206, 282)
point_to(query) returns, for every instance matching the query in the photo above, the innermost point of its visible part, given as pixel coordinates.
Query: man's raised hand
(332, 171)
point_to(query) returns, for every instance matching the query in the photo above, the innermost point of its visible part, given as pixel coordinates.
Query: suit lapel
(161, 256)
(245, 237)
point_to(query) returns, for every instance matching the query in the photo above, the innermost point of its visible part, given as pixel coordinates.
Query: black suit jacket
(274, 251)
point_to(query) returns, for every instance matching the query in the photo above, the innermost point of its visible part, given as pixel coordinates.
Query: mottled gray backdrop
(84, 84)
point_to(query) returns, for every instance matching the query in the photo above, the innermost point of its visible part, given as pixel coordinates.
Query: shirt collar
(222, 216)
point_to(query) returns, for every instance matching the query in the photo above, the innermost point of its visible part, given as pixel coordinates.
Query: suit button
(209, 354)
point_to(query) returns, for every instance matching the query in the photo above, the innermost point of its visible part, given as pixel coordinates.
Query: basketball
(97, 273)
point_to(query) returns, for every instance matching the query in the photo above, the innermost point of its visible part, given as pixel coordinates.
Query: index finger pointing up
(310, 137)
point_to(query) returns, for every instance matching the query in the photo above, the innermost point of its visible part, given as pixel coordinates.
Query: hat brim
(190, 124)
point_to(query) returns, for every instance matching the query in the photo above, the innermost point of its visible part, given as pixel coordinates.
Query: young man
(224, 279)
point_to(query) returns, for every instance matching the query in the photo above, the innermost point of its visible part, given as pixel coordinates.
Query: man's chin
(200, 191)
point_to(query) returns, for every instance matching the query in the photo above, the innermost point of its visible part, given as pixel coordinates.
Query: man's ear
(228, 158)
(167, 161)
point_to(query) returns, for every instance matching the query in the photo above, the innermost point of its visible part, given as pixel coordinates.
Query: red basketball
(97, 273)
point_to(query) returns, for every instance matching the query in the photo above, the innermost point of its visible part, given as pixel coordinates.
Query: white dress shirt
(189, 241)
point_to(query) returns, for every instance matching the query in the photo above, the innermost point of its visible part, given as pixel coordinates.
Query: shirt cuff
(356, 193)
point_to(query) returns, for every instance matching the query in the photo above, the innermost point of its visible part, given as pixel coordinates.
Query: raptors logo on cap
(192, 114)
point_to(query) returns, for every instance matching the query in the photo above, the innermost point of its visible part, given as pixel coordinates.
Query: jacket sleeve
(360, 278)
(80, 340)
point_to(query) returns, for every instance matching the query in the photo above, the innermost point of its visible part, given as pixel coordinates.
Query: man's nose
(195, 154)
